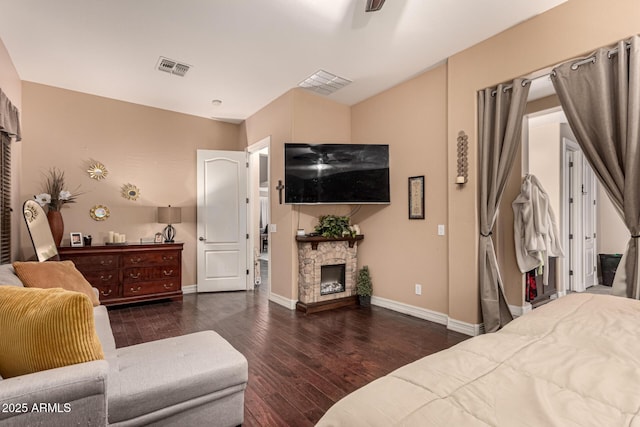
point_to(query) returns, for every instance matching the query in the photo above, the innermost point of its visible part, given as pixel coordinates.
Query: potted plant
(334, 226)
(364, 287)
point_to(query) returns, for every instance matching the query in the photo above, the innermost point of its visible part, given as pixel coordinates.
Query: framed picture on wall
(416, 197)
(76, 239)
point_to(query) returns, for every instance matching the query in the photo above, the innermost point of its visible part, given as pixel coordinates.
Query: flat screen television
(336, 173)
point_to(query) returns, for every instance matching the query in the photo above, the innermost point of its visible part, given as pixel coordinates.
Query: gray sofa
(196, 379)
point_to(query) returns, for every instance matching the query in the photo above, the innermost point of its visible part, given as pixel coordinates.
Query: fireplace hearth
(327, 272)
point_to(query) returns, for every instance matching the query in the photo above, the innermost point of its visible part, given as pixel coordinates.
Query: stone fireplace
(327, 272)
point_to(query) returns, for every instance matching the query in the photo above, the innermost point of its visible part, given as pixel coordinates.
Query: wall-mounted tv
(336, 173)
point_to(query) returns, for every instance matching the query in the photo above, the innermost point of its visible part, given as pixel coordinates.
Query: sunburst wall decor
(97, 170)
(130, 191)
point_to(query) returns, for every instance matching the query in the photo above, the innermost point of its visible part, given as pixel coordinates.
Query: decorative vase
(365, 300)
(56, 224)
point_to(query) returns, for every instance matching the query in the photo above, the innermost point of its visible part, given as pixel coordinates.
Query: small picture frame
(416, 197)
(158, 238)
(76, 239)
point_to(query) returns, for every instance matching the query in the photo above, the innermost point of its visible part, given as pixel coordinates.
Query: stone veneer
(327, 253)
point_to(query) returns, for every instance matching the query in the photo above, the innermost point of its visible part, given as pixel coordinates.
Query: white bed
(572, 362)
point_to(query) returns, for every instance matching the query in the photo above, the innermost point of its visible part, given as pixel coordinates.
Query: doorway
(259, 216)
(551, 153)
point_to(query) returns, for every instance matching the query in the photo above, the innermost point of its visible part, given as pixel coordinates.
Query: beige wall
(151, 148)
(533, 45)
(275, 121)
(412, 119)
(297, 116)
(544, 160)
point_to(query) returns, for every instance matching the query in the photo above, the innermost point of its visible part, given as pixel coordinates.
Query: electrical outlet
(440, 229)
(418, 289)
(273, 228)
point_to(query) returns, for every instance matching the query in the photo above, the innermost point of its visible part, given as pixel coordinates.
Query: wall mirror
(99, 212)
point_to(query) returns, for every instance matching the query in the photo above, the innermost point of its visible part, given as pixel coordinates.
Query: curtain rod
(591, 59)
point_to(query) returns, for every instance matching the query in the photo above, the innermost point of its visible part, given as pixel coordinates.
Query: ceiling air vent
(323, 82)
(171, 66)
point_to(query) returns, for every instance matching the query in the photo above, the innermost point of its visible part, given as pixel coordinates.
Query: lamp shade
(169, 215)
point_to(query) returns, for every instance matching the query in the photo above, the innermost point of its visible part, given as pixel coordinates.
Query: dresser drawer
(101, 278)
(143, 274)
(94, 262)
(140, 259)
(107, 292)
(146, 288)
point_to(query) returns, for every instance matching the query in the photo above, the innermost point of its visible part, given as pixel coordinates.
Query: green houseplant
(334, 226)
(364, 287)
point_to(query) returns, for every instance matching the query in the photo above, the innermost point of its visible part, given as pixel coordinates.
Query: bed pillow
(45, 329)
(54, 274)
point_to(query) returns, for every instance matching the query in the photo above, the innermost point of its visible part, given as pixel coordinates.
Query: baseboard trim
(411, 310)
(190, 289)
(430, 315)
(517, 310)
(472, 329)
(280, 300)
(559, 294)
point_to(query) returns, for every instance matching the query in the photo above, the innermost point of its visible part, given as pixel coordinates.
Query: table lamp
(169, 215)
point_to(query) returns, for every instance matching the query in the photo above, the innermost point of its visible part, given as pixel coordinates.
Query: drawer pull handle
(136, 260)
(169, 286)
(106, 294)
(136, 289)
(167, 273)
(106, 279)
(134, 276)
(106, 262)
(167, 258)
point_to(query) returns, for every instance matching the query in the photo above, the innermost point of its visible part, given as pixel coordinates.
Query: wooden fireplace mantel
(314, 240)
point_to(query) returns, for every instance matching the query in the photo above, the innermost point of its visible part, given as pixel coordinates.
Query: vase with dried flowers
(53, 197)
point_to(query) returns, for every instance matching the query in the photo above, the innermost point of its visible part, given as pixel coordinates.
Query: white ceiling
(243, 52)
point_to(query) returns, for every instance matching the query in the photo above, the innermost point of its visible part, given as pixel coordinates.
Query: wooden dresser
(130, 273)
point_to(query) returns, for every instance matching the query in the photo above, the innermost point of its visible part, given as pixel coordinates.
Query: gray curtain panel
(500, 112)
(601, 99)
(9, 117)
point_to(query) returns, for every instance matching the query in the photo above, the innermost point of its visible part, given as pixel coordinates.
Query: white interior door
(580, 205)
(589, 191)
(575, 222)
(222, 220)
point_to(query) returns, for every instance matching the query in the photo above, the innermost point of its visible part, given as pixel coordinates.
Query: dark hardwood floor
(299, 365)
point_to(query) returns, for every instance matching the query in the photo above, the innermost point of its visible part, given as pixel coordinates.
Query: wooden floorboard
(299, 364)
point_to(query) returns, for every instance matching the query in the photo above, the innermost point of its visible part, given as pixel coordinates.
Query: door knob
(201, 239)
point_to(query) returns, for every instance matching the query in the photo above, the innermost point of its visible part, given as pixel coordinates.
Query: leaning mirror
(39, 231)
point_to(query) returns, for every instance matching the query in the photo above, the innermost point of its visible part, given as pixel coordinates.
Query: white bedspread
(572, 362)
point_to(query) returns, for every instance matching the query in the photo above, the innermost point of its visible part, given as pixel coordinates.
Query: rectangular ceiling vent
(171, 66)
(324, 83)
